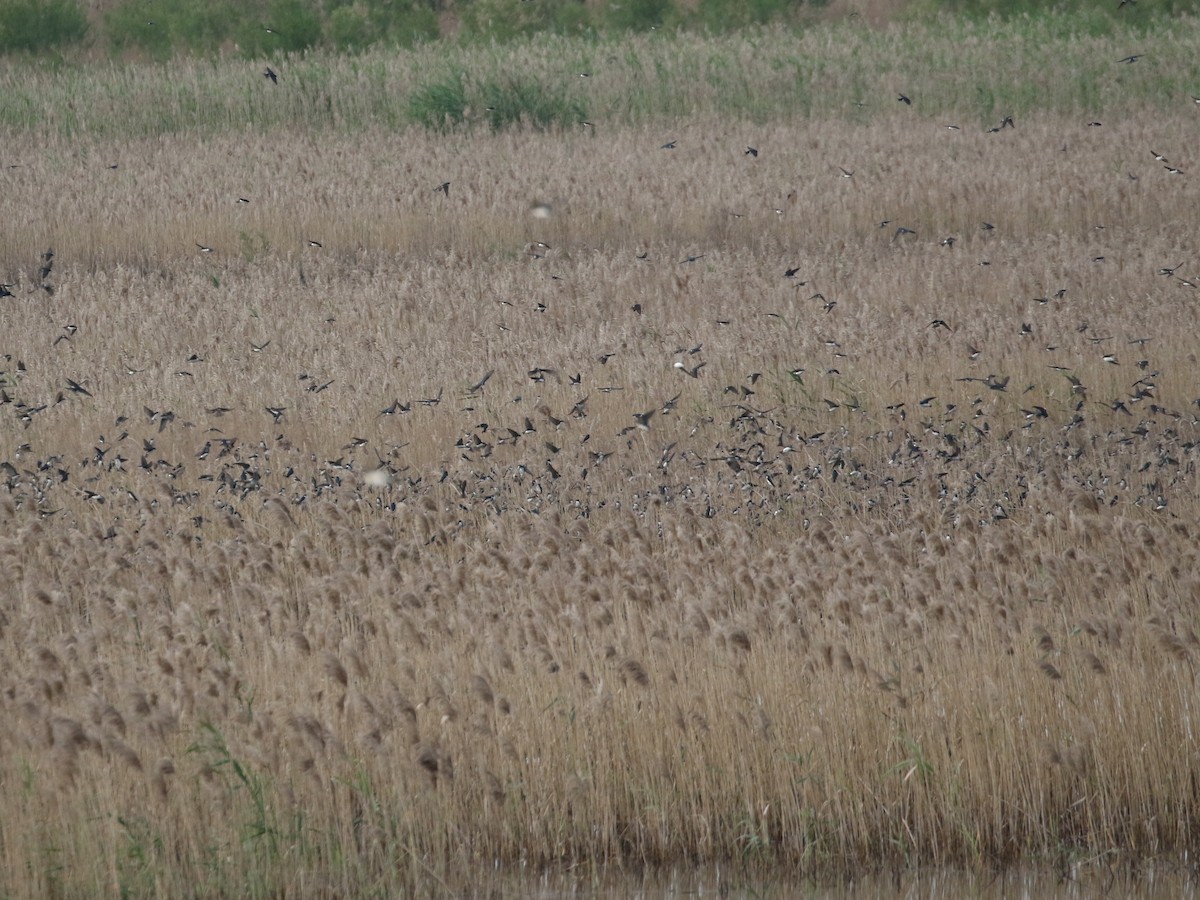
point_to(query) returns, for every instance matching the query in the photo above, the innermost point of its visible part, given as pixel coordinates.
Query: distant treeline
(160, 29)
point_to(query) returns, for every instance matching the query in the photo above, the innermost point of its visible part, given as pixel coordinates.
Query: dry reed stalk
(760, 628)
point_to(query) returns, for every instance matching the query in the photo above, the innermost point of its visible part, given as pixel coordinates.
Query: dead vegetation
(406, 534)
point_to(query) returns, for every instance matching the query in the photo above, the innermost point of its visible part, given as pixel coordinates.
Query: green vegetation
(162, 29)
(519, 101)
(40, 25)
(440, 104)
(1089, 10)
(968, 72)
(501, 102)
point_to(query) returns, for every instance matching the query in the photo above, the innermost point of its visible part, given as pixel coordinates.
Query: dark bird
(669, 145)
(276, 412)
(270, 75)
(997, 384)
(78, 388)
(904, 99)
(752, 151)
(1132, 58)
(846, 173)
(902, 230)
(478, 386)
(444, 187)
(312, 243)
(204, 249)
(790, 273)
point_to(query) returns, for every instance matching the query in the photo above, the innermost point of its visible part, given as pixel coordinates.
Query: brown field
(868, 592)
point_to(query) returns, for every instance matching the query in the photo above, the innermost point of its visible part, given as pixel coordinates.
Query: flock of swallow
(734, 456)
(743, 459)
(753, 463)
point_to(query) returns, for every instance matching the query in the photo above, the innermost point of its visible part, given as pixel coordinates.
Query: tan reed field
(407, 539)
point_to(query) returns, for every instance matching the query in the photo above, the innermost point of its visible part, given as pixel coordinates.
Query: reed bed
(408, 536)
(974, 71)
